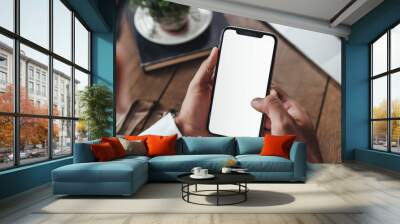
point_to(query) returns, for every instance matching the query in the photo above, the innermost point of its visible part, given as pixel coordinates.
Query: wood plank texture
(132, 83)
(329, 131)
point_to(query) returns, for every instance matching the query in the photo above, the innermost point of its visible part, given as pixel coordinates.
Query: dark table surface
(220, 178)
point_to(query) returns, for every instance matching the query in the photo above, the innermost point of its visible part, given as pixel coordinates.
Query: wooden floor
(378, 189)
(303, 80)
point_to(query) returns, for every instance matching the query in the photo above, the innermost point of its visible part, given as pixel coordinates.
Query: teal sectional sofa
(125, 176)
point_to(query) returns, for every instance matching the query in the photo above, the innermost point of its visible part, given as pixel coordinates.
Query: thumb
(206, 69)
(281, 122)
(268, 105)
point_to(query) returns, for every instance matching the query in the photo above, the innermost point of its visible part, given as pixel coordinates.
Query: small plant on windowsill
(96, 102)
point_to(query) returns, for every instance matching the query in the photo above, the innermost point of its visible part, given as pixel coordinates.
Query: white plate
(208, 176)
(199, 20)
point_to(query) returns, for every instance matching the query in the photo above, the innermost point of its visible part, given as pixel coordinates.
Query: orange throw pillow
(277, 145)
(116, 145)
(136, 137)
(103, 152)
(161, 145)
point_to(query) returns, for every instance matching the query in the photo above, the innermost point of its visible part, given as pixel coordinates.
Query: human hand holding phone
(283, 115)
(192, 118)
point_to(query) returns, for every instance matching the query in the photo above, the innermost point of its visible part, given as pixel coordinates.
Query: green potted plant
(171, 16)
(96, 102)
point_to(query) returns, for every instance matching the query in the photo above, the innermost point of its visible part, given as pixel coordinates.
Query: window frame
(16, 115)
(388, 74)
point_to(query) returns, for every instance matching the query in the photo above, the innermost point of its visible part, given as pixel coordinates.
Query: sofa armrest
(298, 155)
(83, 152)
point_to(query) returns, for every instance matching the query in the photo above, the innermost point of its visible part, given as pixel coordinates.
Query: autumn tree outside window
(44, 64)
(385, 91)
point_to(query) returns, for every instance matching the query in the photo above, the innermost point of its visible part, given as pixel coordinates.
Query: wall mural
(159, 56)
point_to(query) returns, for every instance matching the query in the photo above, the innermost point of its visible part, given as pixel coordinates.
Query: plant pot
(173, 21)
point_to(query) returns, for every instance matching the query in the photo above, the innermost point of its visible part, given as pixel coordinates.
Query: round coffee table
(238, 179)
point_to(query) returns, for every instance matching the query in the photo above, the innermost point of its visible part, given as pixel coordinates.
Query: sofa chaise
(125, 176)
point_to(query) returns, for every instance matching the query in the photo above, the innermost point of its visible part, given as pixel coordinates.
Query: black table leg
(245, 193)
(217, 194)
(188, 190)
(195, 188)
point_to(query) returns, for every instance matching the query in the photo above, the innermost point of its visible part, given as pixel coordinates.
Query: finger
(280, 92)
(273, 92)
(281, 122)
(206, 69)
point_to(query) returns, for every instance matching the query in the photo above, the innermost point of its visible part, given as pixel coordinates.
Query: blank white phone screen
(243, 74)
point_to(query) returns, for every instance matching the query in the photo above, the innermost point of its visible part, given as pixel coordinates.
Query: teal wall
(103, 62)
(103, 50)
(355, 85)
(24, 178)
(99, 16)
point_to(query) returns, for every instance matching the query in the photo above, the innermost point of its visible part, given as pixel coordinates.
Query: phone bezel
(247, 32)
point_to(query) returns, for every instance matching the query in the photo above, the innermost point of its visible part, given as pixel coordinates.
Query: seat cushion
(185, 163)
(112, 171)
(257, 163)
(206, 145)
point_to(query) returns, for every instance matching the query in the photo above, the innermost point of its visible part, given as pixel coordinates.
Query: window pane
(81, 45)
(6, 142)
(395, 94)
(62, 137)
(395, 136)
(81, 81)
(62, 29)
(7, 14)
(34, 72)
(395, 47)
(34, 21)
(81, 131)
(33, 139)
(379, 97)
(6, 74)
(379, 55)
(379, 135)
(62, 89)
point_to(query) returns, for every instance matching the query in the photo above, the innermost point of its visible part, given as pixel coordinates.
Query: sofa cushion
(249, 145)
(136, 147)
(161, 145)
(185, 163)
(103, 152)
(275, 145)
(116, 145)
(257, 163)
(132, 158)
(206, 145)
(112, 171)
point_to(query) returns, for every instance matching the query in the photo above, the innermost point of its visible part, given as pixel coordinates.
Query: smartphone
(243, 72)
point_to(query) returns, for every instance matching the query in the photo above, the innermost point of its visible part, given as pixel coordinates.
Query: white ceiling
(320, 9)
(325, 16)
